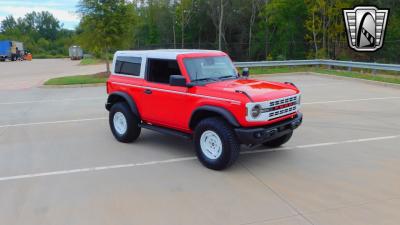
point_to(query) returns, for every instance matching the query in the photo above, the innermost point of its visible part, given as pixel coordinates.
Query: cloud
(62, 15)
(48, 3)
(63, 10)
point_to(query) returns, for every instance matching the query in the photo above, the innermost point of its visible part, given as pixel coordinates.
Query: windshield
(210, 68)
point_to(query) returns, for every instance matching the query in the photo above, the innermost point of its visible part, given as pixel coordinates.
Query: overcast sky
(63, 10)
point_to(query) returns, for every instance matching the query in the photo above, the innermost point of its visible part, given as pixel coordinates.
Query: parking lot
(27, 74)
(59, 163)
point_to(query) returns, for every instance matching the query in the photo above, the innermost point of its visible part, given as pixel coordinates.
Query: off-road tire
(133, 130)
(230, 144)
(278, 141)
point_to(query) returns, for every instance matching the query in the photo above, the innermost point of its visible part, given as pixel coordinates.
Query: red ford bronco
(198, 94)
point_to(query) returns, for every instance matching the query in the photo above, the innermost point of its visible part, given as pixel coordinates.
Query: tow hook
(295, 124)
(273, 132)
(268, 133)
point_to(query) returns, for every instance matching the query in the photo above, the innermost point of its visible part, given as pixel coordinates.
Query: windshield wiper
(206, 79)
(226, 77)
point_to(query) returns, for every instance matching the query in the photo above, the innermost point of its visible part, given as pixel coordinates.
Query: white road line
(323, 144)
(53, 100)
(99, 168)
(51, 122)
(174, 160)
(350, 100)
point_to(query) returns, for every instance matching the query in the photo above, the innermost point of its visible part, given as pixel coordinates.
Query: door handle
(148, 91)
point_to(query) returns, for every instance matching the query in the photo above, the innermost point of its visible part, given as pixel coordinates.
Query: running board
(165, 130)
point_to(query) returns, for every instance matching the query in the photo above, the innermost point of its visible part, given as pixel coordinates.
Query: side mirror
(177, 80)
(245, 72)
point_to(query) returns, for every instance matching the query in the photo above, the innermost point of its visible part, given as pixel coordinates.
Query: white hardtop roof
(163, 53)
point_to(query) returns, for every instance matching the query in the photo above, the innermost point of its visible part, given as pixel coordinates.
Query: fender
(197, 115)
(117, 97)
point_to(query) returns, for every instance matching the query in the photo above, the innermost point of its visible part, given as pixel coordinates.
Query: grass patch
(272, 70)
(388, 78)
(395, 79)
(91, 61)
(79, 79)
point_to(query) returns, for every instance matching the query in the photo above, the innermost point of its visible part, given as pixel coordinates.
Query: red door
(165, 105)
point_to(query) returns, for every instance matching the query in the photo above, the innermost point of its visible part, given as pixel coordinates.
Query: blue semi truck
(11, 50)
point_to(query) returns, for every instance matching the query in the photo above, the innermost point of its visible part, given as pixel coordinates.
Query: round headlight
(256, 111)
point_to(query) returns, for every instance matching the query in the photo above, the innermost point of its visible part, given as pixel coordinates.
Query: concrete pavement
(28, 74)
(59, 164)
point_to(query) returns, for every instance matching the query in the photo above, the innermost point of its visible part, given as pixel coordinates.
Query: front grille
(283, 101)
(275, 108)
(282, 112)
(289, 105)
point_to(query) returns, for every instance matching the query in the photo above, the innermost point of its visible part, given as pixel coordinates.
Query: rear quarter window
(127, 65)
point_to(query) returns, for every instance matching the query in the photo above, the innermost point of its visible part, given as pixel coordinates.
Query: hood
(258, 90)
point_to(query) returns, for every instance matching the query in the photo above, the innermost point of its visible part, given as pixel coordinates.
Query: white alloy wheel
(120, 123)
(211, 144)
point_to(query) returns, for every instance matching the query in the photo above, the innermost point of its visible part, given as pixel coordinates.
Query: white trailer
(75, 52)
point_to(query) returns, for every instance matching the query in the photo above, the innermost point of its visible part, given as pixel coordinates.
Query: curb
(372, 82)
(73, 85)
(280, 74)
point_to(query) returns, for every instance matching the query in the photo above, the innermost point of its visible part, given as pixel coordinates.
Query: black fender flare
(117, 96)
(228, 116)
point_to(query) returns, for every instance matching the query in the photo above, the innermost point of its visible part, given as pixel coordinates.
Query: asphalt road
(28, 74)
(59, 164)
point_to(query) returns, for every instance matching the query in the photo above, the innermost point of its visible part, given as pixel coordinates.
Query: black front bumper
(260, 135)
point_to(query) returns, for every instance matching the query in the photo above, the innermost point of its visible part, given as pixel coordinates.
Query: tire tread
(228, 138)
(133, 121)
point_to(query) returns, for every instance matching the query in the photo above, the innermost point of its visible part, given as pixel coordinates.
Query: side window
(159, 70)
(128, 65)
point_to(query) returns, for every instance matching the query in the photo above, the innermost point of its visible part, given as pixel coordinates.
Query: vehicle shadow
(269, 156)
(179, 146)
(164, 142)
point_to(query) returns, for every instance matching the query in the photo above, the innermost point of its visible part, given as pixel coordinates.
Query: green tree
(156, 25)
(285, 19)
(247, 30)
(8, 24)
(184, 14)
(325, 26)
(47, 25)
(216, 11)
(106, 25)
(41, 33)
